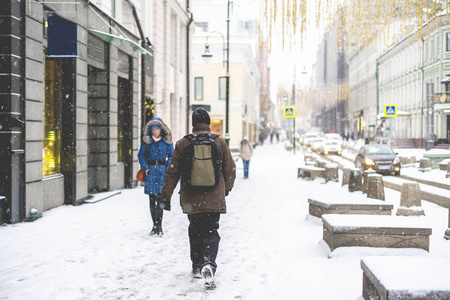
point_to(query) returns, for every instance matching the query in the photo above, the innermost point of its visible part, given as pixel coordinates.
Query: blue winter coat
(161, 150)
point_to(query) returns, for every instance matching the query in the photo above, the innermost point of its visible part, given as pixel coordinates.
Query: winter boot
(159, 216)
(154, 231)
(208, 275)
(153, 214)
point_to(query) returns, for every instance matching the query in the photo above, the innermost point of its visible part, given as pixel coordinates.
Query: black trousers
(204, 239)
(156, 211)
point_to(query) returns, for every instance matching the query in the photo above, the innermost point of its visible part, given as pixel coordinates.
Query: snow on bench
(310, 172)
(349, 205)
(405, 277)
(375, 231)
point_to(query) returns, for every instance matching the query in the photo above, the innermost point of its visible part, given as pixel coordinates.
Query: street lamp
(207, 57)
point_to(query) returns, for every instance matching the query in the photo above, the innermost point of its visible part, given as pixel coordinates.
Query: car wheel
(397, 173)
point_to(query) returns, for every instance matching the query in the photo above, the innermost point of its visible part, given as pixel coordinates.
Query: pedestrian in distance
(246, 152)
(261, 138)
(154, 157)
(202, 193)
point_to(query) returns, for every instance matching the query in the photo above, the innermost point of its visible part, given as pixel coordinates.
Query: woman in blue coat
(154, 156)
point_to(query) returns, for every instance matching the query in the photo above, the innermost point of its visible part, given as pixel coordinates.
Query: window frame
(448, 42)
(196, 89)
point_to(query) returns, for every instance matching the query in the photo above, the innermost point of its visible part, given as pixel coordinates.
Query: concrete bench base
(375, 231)
(310, 172)
(318, 208)
(416, 278)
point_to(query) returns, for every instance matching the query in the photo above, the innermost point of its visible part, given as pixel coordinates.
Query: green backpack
(201, 163)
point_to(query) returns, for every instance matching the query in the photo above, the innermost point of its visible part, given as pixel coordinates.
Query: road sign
(289, 111)
(390, 110)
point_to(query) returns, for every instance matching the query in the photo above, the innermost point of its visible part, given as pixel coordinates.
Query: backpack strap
(189, 136)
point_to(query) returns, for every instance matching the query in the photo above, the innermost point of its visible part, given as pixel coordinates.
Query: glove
(165, 204)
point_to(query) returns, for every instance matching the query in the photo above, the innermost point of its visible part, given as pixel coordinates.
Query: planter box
(375, 231)
(416, 278)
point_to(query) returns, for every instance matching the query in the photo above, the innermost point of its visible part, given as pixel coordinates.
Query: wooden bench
(375, 231)
(350, 205)
(310, 172)
(403, 277)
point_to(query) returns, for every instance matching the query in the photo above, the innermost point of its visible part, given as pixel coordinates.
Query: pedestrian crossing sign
(390, 110)
(289, 111)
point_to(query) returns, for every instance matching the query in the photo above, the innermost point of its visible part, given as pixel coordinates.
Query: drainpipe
(421, 104)
(188, 85)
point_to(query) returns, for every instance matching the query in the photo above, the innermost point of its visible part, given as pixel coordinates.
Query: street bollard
(345, 176)
(403, 160)
(412, 160)
(331, 172)
(365, 180)
(355, 180)
(424, 164)
(375, 187)
(410, 200)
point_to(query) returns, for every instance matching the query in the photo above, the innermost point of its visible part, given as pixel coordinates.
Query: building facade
(331, 85)
(169, 25)
(266, 106)
(414, 76)
(209, 79)
(362, 86)
(79, 79)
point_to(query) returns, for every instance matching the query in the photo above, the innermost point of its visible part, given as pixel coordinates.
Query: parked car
(378, 157)
(331, 147)
(316, 144)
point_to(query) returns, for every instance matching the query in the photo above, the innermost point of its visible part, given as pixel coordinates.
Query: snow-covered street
(270, 247)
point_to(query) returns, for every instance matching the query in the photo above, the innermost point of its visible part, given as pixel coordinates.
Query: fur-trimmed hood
(165, 131)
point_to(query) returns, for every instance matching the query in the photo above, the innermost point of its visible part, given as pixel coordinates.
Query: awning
(446, 80)
(119, 41)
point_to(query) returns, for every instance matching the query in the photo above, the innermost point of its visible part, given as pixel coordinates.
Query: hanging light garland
(285, 23)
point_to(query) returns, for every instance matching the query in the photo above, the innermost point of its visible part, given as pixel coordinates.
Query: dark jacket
(194, 201)
(157, 151)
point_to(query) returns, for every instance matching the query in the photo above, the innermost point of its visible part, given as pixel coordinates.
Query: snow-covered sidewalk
(270, 249)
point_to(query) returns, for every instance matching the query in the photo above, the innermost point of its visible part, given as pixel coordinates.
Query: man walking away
(203, 205)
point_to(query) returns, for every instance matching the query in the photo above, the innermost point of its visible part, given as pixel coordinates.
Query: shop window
(52, 118)
(217, 127)
(222, 88)
(198, 87)
(448, 41)
(124, 121)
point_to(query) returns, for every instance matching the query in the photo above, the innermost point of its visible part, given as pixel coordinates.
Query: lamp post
(207, 57)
